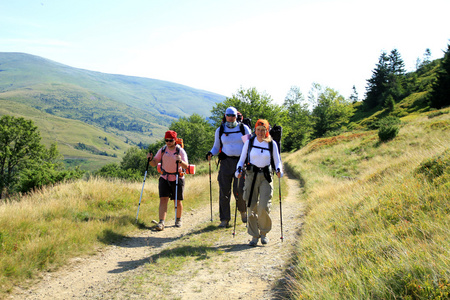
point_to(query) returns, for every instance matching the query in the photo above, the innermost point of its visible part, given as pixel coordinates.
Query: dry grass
(45, 229)
(49, 226)
(374, 229)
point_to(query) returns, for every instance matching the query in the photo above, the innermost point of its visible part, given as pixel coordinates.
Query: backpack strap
(242, 128)
(163, 150)
(222, 131)
(250, 146)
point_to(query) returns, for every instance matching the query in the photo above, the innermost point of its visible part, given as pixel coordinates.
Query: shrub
(388, 128)
(113, 170)
(389, 103)
(435, 167)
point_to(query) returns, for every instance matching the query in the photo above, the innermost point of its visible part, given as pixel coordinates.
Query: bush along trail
(197, 261)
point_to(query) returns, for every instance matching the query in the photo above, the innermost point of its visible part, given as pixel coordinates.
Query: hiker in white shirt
(228, 145)
(261, 154)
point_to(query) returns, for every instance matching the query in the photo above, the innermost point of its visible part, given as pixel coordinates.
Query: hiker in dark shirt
(228, 145)
(170, 156)
(261, 153)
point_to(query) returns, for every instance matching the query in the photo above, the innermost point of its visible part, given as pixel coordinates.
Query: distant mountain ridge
(20, 70)
(135, 110)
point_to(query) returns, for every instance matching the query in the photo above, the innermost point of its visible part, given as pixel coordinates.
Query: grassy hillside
(377, 224)
(160, 98)
(103, 112)
(68, 134)
(75, 103)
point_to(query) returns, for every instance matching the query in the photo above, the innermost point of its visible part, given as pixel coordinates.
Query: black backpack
(275, 132)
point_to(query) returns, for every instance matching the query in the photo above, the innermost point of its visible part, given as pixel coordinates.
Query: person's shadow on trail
(200, 252)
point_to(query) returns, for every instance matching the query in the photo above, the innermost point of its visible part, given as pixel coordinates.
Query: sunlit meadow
(377, 224)
(46, 228)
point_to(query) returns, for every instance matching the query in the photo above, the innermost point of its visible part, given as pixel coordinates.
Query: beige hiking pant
(259, 221)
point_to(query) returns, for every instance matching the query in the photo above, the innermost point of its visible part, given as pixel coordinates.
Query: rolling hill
(131, 110)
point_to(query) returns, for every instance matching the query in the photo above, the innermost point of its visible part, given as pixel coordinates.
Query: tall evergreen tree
(388, 79)
(396, 64)
(354, 95)
(376, 85)
(396, 79)
(440, 96)
(426, 57)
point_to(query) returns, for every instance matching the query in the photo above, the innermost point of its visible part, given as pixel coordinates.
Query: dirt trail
(241, 272)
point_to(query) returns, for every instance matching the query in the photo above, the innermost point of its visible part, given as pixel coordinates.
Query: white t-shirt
(231, 140)
(260, 157)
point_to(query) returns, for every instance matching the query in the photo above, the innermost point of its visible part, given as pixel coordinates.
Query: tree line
(323, 112)
(390, 83)
(25, 164)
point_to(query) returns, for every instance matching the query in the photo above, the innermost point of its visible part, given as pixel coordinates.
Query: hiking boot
(244, 217)
(178, 222)
(223, 224)
(253, 242)
(264, 239)
(160, 226)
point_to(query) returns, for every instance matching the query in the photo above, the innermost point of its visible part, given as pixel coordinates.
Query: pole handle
(148, 161)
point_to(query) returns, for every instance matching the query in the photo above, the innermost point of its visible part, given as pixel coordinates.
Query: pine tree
(440, 96)
(376, 86)
(426, 57)
(396, 64)
(388, 79)
(396, 80)
(354, 95)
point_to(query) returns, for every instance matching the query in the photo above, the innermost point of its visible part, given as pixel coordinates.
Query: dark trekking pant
(226, 179)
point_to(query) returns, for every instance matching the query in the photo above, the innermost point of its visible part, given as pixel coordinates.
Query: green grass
(68, 133)
(75, 103)
(376, 227)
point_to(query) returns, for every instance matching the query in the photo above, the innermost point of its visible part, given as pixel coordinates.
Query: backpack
(275, 132)
(179, 144)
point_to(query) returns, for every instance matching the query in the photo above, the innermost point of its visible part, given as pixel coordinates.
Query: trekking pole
(176, 194)
(281, 213)
(235, 209)
(145, 175)
(210, 189)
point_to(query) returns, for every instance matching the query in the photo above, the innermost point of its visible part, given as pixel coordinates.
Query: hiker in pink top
(173, 160)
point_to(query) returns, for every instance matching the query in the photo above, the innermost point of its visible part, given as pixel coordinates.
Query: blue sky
(221, 46)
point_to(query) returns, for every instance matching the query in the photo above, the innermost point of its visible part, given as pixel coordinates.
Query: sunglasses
(231, 115)
(169, 141)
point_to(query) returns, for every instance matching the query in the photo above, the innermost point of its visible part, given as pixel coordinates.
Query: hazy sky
(221, 46)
